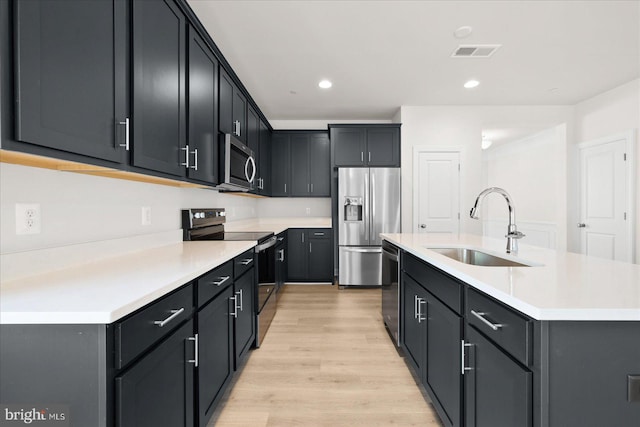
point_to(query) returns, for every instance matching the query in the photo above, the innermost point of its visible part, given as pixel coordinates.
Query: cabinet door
(240, 115)
(298, 252)
(280, 165)
(159, 132)
(225, 104)
(443, 377)
(413, 325)
(300, 165)
(349, 146)
(320, 165)
(215, 353)
(253, 142)
(383, 147)
(264, 167)
(71, 76)
(320, 260)
(203, 114)
(498, 391)
(245, 325)
(158, 390)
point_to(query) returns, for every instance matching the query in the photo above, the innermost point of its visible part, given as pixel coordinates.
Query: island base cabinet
(158, 390)
(498, 390)
(413, 324)
(245, 319)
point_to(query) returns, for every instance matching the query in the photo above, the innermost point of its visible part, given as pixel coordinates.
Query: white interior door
(437, 193)
(605, 229)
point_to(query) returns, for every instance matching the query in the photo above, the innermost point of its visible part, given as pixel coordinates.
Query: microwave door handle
(246, 169)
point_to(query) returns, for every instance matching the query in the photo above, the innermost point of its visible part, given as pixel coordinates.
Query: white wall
(79, 208)
(609, 113)
(461, 127)
(534, 169)
(278, 207)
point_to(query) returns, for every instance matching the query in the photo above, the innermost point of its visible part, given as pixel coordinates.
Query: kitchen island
(553, 343)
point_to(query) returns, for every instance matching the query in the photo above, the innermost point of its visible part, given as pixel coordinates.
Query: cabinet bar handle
(362, 156)
(126, 133)
(302, 237)
(462, 367)
(195, 158)
(312, 188)
(186, 157)
(236, 125)
(239, 293)
(220, 282)
(369, 156)
(310, 247)
(285, 187)
(415, 306)
(246, 261)
(235, 307)
(480, 315)
(195, 344)
(308, 189)
(174, 314)
(318, 234)
(420, 302)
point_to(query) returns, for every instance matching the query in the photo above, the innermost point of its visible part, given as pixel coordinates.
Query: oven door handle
(266, 245)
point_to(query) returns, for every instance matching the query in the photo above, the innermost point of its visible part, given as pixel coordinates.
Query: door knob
(423, 225)
(581, 225)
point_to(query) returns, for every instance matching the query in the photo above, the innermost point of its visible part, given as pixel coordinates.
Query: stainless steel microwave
(237, 164)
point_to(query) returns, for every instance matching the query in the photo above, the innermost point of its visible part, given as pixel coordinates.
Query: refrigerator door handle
(373, 250)
(367, 206)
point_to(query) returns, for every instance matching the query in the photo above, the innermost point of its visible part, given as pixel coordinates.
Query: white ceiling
(384, 54)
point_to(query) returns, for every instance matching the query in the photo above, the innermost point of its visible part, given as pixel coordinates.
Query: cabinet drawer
(142, 329)
(242, 263)
(502, 325)
(319, 233)
(441, 285)
(212, 283)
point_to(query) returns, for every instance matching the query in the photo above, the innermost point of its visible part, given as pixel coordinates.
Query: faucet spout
(512, 231)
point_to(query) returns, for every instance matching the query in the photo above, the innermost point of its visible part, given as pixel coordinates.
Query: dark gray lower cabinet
(310, 252)
(498, 391)
(484, 364)
(158, 389)
(443, 380)
(215, 352)
(245, 319)
(413, 323)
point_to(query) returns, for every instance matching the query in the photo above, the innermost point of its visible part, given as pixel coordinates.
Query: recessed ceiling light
(471, 84)
(325, 84)
(462, 32)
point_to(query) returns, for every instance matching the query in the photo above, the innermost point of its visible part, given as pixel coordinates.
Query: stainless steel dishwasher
(391, 290)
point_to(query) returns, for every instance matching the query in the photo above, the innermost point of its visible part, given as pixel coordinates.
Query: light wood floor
(327, 360)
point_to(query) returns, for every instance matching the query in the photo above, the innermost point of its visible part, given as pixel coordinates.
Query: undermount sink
(476, 257)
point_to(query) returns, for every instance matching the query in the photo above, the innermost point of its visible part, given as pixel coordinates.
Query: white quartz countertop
(560, 285)
(108, 289)
(277, 225)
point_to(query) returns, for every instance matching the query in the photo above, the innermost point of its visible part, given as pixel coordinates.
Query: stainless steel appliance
(208, 224)
(368, 204)
(391, 290)
(237, 165)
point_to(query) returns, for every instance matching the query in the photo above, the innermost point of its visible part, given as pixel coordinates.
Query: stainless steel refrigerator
(368, 204)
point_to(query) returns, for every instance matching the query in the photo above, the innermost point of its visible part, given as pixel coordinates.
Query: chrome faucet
(512, 232)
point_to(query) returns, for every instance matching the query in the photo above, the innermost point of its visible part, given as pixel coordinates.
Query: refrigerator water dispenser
(353, 208)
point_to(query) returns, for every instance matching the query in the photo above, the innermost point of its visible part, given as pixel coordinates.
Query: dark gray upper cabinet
(203, 114)
(309, 167)
(233, 108)
(280, 165)
(71, 76)
(365, 145)
(159, 45)
(264, 161)
(253, 142)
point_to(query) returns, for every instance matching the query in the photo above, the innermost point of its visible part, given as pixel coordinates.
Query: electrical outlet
(308, 211)
(146, 215)
(28, 219)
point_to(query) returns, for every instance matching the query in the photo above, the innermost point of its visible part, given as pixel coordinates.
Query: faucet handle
(515, 235)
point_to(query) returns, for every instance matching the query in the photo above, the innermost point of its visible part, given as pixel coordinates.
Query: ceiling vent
(475, 51)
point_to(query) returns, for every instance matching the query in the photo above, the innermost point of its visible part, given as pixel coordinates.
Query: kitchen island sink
(475, 257)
